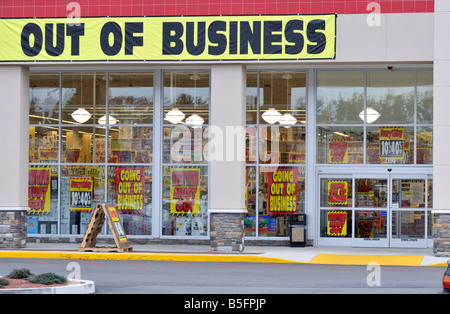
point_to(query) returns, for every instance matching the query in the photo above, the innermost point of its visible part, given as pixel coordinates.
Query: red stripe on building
(90, 8)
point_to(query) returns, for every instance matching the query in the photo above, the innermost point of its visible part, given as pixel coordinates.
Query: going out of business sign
(289, 37)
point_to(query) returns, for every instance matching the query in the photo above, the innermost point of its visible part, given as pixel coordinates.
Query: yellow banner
(169, 38)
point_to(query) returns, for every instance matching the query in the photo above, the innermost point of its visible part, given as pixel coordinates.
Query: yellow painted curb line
(146, 257)
(391, 260)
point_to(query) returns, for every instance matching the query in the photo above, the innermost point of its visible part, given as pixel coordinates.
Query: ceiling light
(81, 115)
(287, 118)
(111, 119)
(371, 115)
(175, 116)
(271, 116)
(195, 119)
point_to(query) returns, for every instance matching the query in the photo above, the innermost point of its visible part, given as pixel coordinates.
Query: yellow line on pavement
(145, 256)
(342, 259)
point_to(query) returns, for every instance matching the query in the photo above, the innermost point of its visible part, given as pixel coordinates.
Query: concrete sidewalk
(257, 254)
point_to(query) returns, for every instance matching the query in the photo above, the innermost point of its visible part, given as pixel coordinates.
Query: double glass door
(375, 210)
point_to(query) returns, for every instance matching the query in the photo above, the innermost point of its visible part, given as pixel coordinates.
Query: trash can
(297, 230)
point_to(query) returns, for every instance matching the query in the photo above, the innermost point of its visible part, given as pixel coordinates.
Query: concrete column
(441, 129)
(227, 157)
(14, 104)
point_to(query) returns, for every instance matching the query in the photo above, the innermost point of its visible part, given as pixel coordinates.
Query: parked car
(446, 279)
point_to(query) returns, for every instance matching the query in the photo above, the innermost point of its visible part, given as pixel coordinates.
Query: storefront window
(83, 97)
(44, 98)
(387, 112)
(82, 188)
(275, 152)
(185, 201)
(42, 199)
(43, 144)
(425, 97)
(90, 150)
(186, 98)
(391, 94)
(185, 155)
(130, 98)
(284, 92)
(390, 145)
(340, 97)
(340, 145)
(130, 190)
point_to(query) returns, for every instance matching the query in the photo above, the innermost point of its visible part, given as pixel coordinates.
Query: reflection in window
(186, 98)
(130, 98)
(44, 98)
(340, 96)
(284, 92)
(397, 117)
(391, 93)
(425, 97)
(83, 91)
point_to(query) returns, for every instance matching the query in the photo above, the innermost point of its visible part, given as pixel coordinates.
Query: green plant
(3, 282)
(20, 273)
(47, 279)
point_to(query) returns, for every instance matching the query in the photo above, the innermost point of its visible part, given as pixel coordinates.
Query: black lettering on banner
(316, 37)
(27, 31)
(172, 44)
(249, 37)
(75, 31)
(270, 38)
(111, 28)
(191, 47)
(293, 36)
(130, 40)
(50, 48)
(233, 38)
(217, 38)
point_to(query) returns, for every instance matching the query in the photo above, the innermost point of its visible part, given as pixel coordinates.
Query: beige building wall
(14, 105)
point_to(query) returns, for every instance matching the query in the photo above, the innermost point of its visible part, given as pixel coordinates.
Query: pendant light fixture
(271, 116)
(195, 119)
(371, 115)
(111, 120)
(287, 118)
(81, 115)
(174, 116)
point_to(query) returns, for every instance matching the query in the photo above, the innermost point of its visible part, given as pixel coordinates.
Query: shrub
(47, 279)
(20, 273)
(3, 282)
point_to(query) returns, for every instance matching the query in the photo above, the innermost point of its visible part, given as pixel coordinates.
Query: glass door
(409, 207)
(371, 222)
(367, 210)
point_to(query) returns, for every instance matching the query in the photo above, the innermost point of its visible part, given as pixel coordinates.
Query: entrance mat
(391, 260)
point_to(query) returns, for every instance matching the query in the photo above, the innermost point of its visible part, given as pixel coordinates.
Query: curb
(84, 287)
(326, 259)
